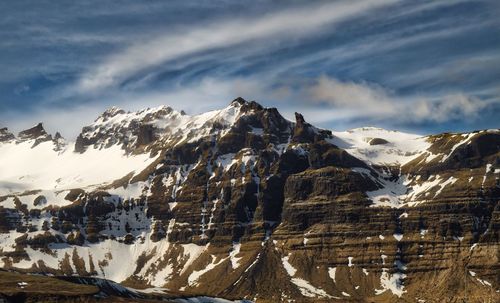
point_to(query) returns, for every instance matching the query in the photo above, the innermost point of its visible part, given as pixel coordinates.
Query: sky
(417, 66)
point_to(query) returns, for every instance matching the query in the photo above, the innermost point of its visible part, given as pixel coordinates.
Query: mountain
(240, 203)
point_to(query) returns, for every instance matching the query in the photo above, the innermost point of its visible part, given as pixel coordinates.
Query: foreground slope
(242, 203)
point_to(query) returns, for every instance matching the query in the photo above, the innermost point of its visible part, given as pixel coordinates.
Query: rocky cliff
(242, 203)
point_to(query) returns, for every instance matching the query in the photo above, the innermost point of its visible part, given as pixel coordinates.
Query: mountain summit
(243, 203)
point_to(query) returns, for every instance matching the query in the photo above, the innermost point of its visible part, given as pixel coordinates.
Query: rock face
(5, 135)
(129, 130)
(242, 203)
(37, 134)
(378, 141)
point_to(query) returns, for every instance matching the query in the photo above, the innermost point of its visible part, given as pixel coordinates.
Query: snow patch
(393, 282)
(331, 273)
(196, 274)
(288, 267)
(232, 255)
(304, 286)
(349, 263)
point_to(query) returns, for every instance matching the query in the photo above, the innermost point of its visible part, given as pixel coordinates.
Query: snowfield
(400, 149)
(41, 168)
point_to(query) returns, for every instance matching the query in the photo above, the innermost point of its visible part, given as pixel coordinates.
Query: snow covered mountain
(242, 203)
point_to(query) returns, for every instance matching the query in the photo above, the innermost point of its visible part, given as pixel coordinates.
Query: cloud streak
(282, 25)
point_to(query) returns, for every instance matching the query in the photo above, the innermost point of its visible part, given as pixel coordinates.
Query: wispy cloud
(286, 24)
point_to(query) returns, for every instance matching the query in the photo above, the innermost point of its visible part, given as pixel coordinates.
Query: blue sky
(418, 66)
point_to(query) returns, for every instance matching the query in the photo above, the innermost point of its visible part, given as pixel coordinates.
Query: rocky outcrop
(36, 133)
(131, 131)
(59, 142)
(33, 133)
(5, 135)
(378, 141)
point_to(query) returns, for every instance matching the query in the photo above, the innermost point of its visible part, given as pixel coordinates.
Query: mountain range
(243, 204)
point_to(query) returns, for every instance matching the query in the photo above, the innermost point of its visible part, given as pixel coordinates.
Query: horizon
(422, 68)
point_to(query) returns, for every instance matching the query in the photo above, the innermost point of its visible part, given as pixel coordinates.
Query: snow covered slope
(24, 168)
(398, 148)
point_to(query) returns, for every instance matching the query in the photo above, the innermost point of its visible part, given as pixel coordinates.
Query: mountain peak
(39, 135)
(33, 133)
(130, 129)
(246, 105)
(239, 100)
(5, 135)
(299, 119)
(111, 112)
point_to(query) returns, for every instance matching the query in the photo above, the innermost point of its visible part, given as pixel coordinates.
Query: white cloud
(364, 100)
(449, 107)
(284, 25)
(364, 97)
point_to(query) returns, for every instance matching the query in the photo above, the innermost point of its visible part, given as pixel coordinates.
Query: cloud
(464, 70)
(449, 107)
(284, 25)
(365, 100)
(360, 51)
